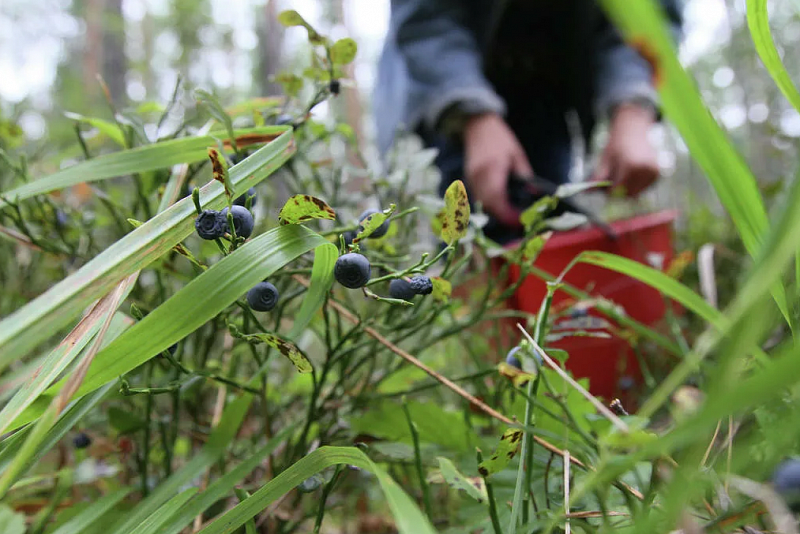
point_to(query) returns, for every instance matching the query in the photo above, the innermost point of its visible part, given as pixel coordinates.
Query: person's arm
(624, 76)
(444, 63)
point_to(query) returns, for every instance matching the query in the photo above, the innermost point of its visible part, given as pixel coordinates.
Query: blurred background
(51, 51)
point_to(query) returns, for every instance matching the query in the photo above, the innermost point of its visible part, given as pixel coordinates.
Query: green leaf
(197, 302)
(164, 512)
(105, 127)
(456, 213)
(368, 226)
(286, 348)
(758, 22)
(222, 486)
(291, 83)
(343, 51)
(302, 208)
(292, 18)
(217, 111)
(36, 321)
(215, 447)
(506, 449)
(325, 257)
(537, 212)
(124, 421)
(92, 513)
(442, 289)
(643, 26)
(475, 487)
(147, 158)
(407, 515)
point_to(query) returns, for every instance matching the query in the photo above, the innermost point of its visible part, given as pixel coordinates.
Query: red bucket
(609, 363)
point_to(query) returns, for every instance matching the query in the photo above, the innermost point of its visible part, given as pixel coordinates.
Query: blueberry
(263, 296)
(379, 231)
(81, 441)
(626, 383)
(310, 484)
(61, 219)
(335, 86)
(512, 360)
(240, 201)
(210, 224)
(421, 285)
(284, 118)
(352, 270)
(579, 312)
(348, 238)
(242, 220)
(400, 289)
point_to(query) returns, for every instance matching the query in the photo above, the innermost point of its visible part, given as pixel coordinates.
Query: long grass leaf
(93, 513)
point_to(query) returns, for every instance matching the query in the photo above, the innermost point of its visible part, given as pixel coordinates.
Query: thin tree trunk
(93, 49)
(270, 46)
(114, 59)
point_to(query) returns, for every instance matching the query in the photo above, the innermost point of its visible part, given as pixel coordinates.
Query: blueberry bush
(244, 326)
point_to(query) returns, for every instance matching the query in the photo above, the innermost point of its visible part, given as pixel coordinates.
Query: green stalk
(492, 504)
(426, 496)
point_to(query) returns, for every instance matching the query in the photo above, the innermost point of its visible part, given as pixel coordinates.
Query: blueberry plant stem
(325, 492)
(426, 496)
(492, 504)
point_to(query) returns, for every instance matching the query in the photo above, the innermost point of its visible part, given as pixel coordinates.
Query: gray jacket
(432, 59)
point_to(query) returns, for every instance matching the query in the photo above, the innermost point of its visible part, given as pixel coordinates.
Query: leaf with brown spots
(286, 348)
(456, 213)
(219, 170)
(372, 223)
(442, 289)
(302, 208)
(437, 223)
(517, 377)
(506, 449)
(475, 487)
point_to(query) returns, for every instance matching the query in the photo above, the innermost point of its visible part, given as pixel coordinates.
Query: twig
(567, 526)
(711, 444)
(611, 416)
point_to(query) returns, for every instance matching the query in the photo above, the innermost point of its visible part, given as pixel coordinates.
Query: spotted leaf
(286, 348)
(506, 449)
(517, 377)
(475, 487)
(302, 208)
(219, 170)
(456, 213)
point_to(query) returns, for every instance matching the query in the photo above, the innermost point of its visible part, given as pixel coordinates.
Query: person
(492, 84)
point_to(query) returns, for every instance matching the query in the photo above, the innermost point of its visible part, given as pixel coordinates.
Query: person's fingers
(520, 164)
(494, 195)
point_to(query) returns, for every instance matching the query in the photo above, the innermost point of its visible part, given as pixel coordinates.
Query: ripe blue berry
(379, 231)
(512, 360)
(240, 201)
(284, 118)
(352, 270)
(348, 238)
(400, 289)
(263, 296)
(243, 221)
(210, 224)
(61, 219)
(421, 285)
(335, 87)
(81, 441)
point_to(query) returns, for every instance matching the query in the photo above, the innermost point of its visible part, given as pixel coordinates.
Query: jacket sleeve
(623, 74)
(443, 61)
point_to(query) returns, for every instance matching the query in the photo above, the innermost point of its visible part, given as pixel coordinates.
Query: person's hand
(492, 152)
(629, 160)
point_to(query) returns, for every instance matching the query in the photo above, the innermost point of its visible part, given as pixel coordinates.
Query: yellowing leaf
(293, 18)
(302, 208)
(442, 289)
(534, 247)
(456, 213)
(437, 223)
(372, 223)
(343, 51)
(219, 169)
(286, 348)
(537, 212)
(517, 377)
(506, 449)
(475, 487)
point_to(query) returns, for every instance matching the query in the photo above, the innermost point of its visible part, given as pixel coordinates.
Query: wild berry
(240, 201)
(243, 221)
(422, 285)
(379, 231)
(263, 296)
(626, 383)
(512, 360)
(310, 484)
(210, 224)
(401, 289)
(61, 219)
(335, 87)
(352, 270)
(284, 118)
(81, 441)
(786, 478)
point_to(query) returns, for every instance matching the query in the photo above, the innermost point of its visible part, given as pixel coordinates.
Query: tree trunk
(270, 45)
(113, 56)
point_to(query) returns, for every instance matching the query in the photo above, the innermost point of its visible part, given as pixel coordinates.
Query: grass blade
(321, 282)
(408, 517)
(36, 321)
(137, 160)
(163, 514)
(94, 512)
(642, 24)
(191, 307)
(758, 22)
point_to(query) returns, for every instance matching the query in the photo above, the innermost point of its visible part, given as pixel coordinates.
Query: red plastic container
(647, 239)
